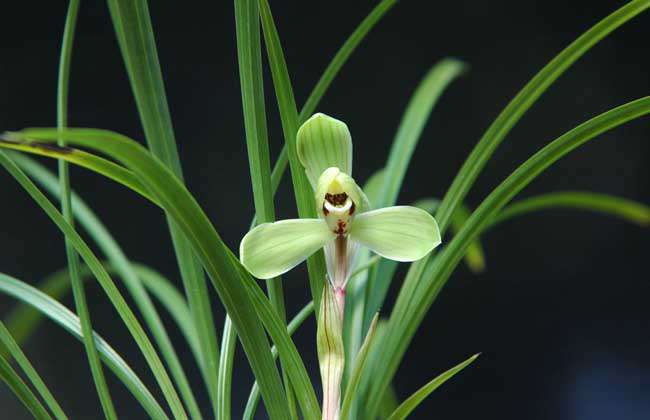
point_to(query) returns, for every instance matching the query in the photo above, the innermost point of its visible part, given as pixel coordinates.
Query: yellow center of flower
(336, 200)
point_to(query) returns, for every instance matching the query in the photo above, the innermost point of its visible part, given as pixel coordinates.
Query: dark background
(560, 315)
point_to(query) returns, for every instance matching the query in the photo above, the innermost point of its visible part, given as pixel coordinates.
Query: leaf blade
(412, 402)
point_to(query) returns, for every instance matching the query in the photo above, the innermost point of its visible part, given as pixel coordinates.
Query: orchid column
(346, 222)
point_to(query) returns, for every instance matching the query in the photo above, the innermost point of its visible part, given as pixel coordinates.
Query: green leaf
(413, 122)
(132, 279)
(12, 348)
(70, 322)
(324, 142)
(388, 404)
(343, 54)
(628, 210)
(359, 365)
(400, 233)
(22, 391)
(135, 35)
(114, 295)
(254, 396)
(23, 320)
(272, 249)
(410, 308)
(386, 187)
(219, 262)
(289, 356)
(492, 138)
(290, 120)
(224, 389)
(86, 160)
(518, 106)
(475, 257)
(412, 402)
(249, 54)
(78, 291)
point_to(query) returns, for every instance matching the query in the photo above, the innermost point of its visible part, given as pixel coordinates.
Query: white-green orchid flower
(345, 218)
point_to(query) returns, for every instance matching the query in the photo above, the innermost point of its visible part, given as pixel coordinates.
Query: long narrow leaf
(412, 402)
(224, 388)
(136, 38)
(78, 291)
(290, 120)
(252, 91)
(628, 210)
(14, 350)
(523, 101)
(497, 132)
(414, 119)
(359, 365)
(220, 264)
(125, 312)
(23, 320)
(295, 323)
(22, 391)
(343, 54)
(410, 310)
(332, 69)
(94, 163)
(133, 281)
(70, 322)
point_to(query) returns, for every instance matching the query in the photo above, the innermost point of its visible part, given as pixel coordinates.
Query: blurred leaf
(221, 265)
(224, 381)
(78, 292)
(343, 54)
(135, 36)
(296, 322)
(112, 292)
(249, 54)
(133, 281)
(518, 106)
(290, 121)
(413, 122)
(475, 257)
(410, 308)
(628, 210)
(22, 391)
(385, 187)
(70, 322)
(11, 347)
(23, 319)
(359, 365)
(481, 154)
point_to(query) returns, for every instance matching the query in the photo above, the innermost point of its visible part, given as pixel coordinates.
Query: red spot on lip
(340, 227)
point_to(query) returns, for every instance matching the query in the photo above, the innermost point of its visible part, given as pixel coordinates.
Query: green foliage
(371, 349)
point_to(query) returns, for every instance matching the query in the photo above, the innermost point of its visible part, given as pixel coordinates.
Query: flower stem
(331, 356)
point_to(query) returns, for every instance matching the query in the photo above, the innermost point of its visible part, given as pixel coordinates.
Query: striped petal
(400, 233)
(272, 249)
(324, 142)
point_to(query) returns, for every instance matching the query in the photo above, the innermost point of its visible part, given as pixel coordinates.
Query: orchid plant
(359, 348)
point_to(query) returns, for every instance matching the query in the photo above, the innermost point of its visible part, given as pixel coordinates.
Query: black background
(560, 315)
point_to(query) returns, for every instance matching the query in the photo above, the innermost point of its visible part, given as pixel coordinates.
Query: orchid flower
(345, 220)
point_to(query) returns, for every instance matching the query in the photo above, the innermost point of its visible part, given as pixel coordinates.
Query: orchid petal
(400, 233)
(324, 142)
(272, 249)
